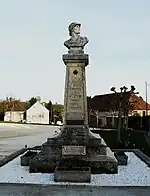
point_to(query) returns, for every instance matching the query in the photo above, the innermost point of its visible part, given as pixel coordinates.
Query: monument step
(73, 174)
(79, 141)
(44, 163)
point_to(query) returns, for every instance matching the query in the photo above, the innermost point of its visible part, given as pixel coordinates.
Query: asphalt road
(16, 136)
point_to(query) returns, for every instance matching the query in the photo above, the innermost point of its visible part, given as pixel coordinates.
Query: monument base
(74, 147)
(77, 174)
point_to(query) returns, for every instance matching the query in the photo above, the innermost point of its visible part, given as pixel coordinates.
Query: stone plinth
(65, 174)
(97, 155)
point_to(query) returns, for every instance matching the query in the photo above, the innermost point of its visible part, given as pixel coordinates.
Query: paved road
(16, 136)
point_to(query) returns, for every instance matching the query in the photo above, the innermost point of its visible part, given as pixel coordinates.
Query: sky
(32, 34)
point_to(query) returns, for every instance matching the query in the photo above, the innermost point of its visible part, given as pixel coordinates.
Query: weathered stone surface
(26, 157)
(76, 43)
(76, 58)
(78, 174)
(98, 156)
(75, 101)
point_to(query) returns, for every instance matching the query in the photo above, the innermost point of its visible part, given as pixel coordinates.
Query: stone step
(74, 174)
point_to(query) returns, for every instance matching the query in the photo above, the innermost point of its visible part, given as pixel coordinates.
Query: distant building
(13, 111)
(15, 116)
(37, 114)
(106, 106)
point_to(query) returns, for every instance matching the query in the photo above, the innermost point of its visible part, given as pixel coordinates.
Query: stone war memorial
(75, 153)
(75, 161)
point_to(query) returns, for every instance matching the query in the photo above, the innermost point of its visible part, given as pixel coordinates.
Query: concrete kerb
(67, 190)
(12, 156)
(142, 156)
(138, 153)
(16, 154)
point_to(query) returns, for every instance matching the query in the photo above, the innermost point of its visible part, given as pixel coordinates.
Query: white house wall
(103, 116)
(14, 116)
(37, 114)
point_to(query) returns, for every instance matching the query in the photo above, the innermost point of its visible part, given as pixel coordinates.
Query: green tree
(57, 111)
(32, 101)
(50, 108)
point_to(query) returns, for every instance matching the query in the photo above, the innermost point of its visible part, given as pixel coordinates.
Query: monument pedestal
(75, 147)
(75, 151)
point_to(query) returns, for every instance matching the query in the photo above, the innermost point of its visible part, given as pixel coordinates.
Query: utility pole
(146, 112)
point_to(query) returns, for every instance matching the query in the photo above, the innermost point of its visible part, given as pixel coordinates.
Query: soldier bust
(76, 43)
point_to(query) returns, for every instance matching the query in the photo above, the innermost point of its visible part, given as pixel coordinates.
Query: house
(37, 114)
(12, 110)
(106, 106)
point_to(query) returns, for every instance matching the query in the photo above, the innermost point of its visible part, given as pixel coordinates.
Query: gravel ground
(136, 173)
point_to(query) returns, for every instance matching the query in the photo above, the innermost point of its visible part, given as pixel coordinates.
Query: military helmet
(72, 25)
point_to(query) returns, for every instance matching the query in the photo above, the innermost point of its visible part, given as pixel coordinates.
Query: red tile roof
(139, 104)
(13, 106)
(110, 101)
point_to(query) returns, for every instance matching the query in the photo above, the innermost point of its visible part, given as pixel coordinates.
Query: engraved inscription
(75, 95)
(76, 84)
(76, 88)
(73, 115)
(73, 150)
(76, 107)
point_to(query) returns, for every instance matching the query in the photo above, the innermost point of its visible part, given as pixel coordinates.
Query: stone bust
(76, 43)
